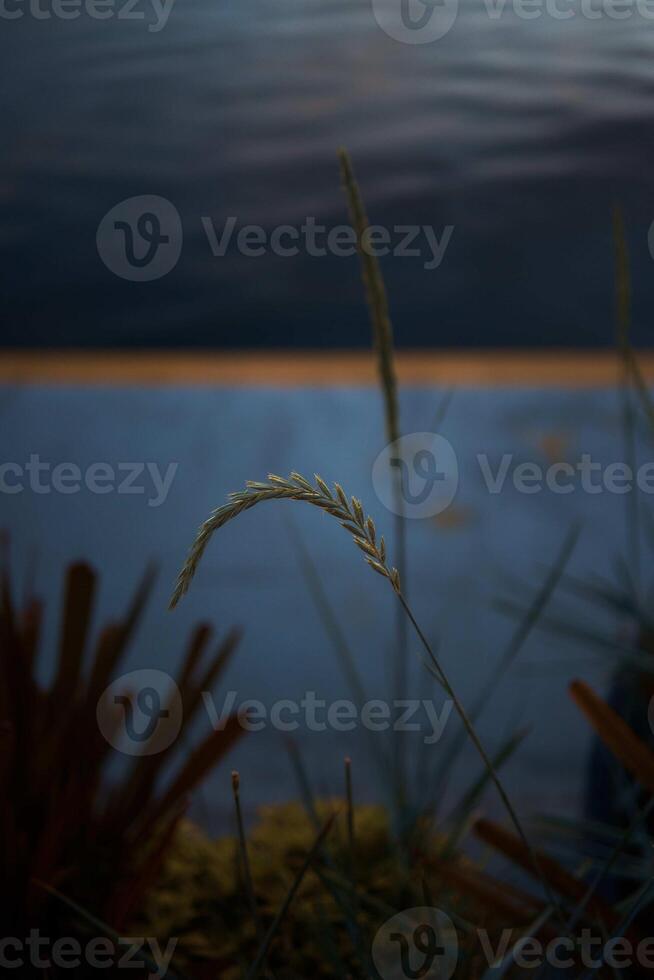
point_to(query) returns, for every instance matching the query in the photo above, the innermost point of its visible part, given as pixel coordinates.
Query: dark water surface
(519, 133)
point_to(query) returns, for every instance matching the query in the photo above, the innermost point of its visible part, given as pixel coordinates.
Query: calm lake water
(518, 133)
(486, 546)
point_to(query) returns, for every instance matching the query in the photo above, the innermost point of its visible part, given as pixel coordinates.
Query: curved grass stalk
(362, 529)
(348, 512)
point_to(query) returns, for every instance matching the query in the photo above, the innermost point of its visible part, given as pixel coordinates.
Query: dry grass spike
(350, 514)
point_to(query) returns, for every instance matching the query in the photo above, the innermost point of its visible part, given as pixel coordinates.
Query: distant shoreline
(294, 368)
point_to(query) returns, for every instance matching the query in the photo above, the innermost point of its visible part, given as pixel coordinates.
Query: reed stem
(449, 690)
(245, 861)
(350, 807)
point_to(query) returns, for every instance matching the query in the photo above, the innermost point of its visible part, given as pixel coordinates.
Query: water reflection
(519, 133)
